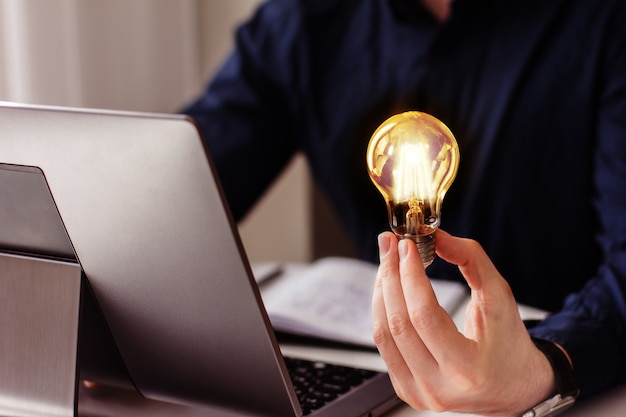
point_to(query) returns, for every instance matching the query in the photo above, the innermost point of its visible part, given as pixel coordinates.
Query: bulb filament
(414, 217)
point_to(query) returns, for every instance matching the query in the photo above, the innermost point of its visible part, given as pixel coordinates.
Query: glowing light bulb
(412, 159)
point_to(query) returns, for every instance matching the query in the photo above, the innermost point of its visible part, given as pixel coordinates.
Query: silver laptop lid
(144, 213)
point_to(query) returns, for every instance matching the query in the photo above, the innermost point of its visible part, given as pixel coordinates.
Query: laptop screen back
(140, 203)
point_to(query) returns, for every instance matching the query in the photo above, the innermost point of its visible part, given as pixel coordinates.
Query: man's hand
(492, 368)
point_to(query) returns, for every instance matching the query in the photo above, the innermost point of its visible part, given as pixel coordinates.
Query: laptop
(172, 321)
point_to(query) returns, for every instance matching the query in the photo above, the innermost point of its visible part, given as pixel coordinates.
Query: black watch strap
(567, 390)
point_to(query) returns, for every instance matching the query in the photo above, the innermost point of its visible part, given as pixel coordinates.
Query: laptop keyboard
(318, 383)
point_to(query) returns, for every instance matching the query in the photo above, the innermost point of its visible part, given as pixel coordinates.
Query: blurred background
(154, 55)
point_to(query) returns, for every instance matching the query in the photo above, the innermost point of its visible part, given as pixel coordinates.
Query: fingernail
(383, 245)
(403, 248)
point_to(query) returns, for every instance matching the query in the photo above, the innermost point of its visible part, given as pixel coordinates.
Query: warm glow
(412, 159)
(412, 175)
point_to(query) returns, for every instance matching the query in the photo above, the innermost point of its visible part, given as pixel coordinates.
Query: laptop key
(317, 383)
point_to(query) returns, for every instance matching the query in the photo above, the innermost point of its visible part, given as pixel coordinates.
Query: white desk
(107, 402)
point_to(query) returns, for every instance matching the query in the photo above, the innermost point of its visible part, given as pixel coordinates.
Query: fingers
(431, 322)
(491, 294)
(431, 364)
(410, 321)
(399, 373)
(390, 318)
(469, 256)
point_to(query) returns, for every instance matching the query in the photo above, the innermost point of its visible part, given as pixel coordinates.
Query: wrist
(560, 386)
(541, 381)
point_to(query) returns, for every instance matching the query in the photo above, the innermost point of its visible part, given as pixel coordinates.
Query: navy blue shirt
(535, 93)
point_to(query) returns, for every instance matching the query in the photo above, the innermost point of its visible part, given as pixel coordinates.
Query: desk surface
(110, 402)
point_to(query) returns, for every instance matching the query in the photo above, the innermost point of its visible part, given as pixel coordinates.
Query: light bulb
(412, 158)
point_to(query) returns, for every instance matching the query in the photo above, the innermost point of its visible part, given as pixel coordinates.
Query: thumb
(493, 307)
(469, 256)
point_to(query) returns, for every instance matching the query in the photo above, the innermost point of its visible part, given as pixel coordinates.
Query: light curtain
(122, 54)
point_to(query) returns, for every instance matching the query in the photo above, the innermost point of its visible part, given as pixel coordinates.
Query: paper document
(331, 299)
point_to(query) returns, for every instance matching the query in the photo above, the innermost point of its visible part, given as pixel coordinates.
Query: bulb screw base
(426, 247)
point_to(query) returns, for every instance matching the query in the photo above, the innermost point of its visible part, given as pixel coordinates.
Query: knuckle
(379, 334)
(473, 244)
(422, 318)
(399, 324)
(385, 274)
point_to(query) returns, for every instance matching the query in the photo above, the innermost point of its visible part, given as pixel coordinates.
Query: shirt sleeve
(592, 324)
(245, 111)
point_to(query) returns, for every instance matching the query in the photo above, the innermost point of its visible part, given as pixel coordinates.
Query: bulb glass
(413, 158)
